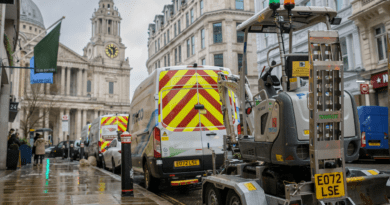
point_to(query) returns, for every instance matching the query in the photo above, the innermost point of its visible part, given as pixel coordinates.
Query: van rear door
(181, 141)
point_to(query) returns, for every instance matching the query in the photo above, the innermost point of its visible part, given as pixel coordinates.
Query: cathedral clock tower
(106, 43)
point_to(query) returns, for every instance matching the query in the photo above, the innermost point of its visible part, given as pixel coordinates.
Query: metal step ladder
(326, 105)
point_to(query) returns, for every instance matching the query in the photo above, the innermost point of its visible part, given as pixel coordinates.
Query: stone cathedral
(85, 87)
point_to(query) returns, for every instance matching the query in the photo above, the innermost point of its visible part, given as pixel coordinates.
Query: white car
(112, 156)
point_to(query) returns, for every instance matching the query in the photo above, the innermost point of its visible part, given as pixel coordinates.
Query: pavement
(62, 182)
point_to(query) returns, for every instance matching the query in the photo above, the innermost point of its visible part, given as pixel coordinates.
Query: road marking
(171, 199)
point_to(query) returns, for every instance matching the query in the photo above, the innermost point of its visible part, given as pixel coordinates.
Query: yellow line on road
(172, 199)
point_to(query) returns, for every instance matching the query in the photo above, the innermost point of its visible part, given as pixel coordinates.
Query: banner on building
(46, 52)
(36, 78)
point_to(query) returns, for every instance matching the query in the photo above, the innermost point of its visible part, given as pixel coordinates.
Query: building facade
(372, 17)
(85, 87)
(202, 32)
(348, 33)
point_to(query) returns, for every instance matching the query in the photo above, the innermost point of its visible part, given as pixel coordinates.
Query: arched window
(103, 5)
(108, 5)
(89, 86)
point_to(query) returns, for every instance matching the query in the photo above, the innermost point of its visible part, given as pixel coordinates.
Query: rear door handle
(211, 134)
(199, 107)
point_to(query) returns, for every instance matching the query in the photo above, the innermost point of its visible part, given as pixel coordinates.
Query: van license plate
(374, 144)
(329, 185)
(187, 163)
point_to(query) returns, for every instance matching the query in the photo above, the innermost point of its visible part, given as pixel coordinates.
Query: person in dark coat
(13, 140)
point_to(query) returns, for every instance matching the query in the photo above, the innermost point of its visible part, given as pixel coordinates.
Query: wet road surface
(58, 182)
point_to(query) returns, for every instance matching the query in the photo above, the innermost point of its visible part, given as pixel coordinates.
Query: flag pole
(26, 44)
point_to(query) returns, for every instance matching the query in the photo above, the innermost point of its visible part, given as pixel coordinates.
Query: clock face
(112, 51)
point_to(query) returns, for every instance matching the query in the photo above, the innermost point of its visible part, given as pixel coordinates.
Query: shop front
(379, 83)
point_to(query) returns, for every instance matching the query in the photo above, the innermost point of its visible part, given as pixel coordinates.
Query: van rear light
(239, 129)
(157, 143)
(119, 151)
(363, 139)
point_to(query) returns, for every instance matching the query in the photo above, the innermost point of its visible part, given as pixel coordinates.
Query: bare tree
(34, 100)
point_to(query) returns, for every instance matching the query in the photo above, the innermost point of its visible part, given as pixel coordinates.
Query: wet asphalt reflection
(59, 182)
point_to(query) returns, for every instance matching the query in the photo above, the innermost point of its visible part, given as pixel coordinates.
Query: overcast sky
(76, 28)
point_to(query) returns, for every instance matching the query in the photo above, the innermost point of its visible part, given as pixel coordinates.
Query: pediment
(67, 54)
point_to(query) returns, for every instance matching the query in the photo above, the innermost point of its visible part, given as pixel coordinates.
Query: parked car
(112, 156)
(57, 150)
(374, 128)
(85, 138)
(48, 151)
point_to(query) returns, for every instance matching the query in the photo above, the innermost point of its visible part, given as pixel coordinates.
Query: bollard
(71, 152)
(213, 160)
(63, 151)
(127, 167)
(81, 151)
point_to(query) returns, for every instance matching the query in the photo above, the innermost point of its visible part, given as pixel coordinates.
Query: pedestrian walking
(39, 145)
(13, 140)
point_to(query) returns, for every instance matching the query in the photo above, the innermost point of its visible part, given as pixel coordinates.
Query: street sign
(65, 118)
(364, 89)
(6, 1)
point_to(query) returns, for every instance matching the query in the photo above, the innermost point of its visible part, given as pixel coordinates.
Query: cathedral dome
(30, 13)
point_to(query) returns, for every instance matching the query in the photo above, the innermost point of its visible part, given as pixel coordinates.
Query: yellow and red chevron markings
(119, 120)
(180, 91)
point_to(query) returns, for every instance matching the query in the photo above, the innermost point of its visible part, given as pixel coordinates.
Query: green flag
(46, 52)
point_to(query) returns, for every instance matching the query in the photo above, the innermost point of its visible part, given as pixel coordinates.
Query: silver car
(112, 156)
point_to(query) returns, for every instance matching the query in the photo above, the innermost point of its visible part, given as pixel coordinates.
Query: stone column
(356, 45)
(68, 71)
(4, 114)
(96, 114)
(40, 121)
(63, 73)
(67, 112)
(84, 118)
(79, 82)
(60, 135)
(47, 87)
(85, 79)
(46, 134)
(78, 124)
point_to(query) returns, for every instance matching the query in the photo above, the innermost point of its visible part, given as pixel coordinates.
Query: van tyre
(104, 164)
(232, 198)
(151, 183)
(213, 195)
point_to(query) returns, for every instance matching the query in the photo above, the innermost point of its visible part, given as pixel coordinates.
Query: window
(168, 35)
(155, 46)
(179, 53)
(187, 19)
(308, 3)
(344, 52)
(193, 45)
(36, 29)
(218, 60)
(217, 32)
(204, 61)
(165, 39)
(89, 86)
(158, 44)
(111, 87)
(165, 61)
(179, 26)
(158, 63)
(109, 30)
(188, 48)
(201, 7)
(177, 5)
(381, 45)
(339, 4)
(176, 56)
(192, 16)
(266, 39)
(30, 28)
(240, 35)
(240, 4)
(175, 30)
(169, 59)
(24, 26)
(202, 35)
(239, 60)
(264, 4)
(108, 5)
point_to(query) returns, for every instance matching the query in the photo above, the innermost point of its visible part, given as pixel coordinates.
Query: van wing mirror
(199, 107)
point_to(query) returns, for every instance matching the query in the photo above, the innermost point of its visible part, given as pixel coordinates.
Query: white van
(175, 121)
(103, 130)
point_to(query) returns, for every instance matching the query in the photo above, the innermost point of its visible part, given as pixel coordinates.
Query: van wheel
(232, 198)
(151, 183)
(213, 195)
(104, 164)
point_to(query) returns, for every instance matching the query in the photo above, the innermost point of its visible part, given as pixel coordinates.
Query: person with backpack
(39, 145)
